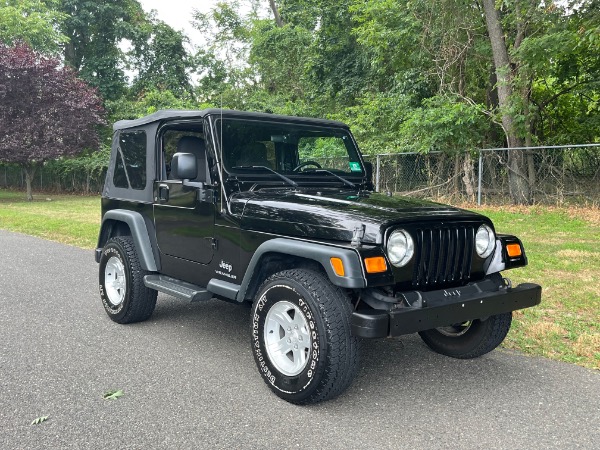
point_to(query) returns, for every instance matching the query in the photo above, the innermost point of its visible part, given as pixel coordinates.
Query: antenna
(222, 161)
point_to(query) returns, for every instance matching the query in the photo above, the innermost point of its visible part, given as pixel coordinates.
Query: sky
(178, 14)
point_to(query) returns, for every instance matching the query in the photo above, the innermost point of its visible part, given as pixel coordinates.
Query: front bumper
(443, 308)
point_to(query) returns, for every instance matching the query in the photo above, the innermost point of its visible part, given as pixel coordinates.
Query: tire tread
(493, 331)
(142, 299)
(343, 352)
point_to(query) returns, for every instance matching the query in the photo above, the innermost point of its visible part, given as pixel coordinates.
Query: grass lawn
(563, 247)
(71, 219)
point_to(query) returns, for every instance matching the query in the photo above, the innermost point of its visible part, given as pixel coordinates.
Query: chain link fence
(552, 175)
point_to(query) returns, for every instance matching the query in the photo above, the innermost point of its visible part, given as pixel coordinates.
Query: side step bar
(177, 288)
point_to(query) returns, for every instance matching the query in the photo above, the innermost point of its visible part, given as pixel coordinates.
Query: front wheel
(125, 297)
(469, 339)
(301, 337)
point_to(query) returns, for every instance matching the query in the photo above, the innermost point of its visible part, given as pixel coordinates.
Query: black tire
(332, 361)
(469, 340)
(129, 301)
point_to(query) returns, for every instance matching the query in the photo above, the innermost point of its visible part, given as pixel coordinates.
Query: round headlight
(400, 248)
(485, 241)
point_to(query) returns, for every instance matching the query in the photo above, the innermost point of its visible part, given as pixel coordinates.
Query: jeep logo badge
(226, 266)
(453, 293)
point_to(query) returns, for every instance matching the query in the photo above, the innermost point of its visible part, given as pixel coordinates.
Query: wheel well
(271, 263)
(112, 228)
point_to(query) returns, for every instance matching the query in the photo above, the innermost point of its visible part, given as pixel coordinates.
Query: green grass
(563, 247)
(70, 219)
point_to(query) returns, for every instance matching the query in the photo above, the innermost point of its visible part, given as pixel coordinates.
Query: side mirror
(184, 166)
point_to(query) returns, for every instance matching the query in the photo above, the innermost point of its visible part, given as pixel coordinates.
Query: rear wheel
(124, 296)
(301, 337)
(469, 339)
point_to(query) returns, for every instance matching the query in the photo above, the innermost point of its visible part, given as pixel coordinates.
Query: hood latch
(357, 235)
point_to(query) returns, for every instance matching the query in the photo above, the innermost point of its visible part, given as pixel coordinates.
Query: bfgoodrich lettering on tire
(125, 297)
(301, 338)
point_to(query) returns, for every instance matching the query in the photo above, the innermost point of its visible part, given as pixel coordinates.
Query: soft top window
(130, 170)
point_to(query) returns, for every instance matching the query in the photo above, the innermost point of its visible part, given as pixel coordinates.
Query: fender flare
(321, 253)
(139, 232)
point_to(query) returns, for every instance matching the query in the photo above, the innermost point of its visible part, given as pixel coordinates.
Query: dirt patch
(590, 215)
(570, 276)
(578, 255)
(543, 330)
(588, 346)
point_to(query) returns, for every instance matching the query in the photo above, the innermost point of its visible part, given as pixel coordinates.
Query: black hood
(331, 214)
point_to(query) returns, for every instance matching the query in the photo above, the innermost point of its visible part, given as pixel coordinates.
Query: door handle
(163, 192)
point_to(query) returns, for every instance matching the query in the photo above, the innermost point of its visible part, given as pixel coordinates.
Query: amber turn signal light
(338, 266)
(513, 250)
(375, 264)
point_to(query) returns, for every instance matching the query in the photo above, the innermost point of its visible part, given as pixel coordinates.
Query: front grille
(443, 256)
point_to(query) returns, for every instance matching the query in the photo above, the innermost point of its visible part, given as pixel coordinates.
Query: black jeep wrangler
(280, 211)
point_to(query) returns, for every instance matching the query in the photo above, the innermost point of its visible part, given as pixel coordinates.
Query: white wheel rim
(287, 338)
(114, 281)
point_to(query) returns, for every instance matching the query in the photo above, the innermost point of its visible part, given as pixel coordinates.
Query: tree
(278, 54)
(32, 21)
(96, 31)
(565, 86)
(506, 75)
(150, 102)
(447, 74)
(45, 111)
(162, 61)
(450, 126)
(225, 77)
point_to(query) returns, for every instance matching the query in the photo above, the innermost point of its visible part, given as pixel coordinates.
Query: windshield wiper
(349, 183)
(283, 177)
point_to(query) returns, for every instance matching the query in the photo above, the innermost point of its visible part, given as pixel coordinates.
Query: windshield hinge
(213, 242)
(357, 235)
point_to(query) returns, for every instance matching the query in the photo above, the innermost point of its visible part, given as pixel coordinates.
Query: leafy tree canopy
(36, 22)
(161, 60)
(96, 31)
(45, 111)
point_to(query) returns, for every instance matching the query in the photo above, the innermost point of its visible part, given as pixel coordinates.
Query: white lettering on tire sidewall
(109, 307)
(266, 369)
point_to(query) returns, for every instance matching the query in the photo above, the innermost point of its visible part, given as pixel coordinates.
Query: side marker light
(514, 250)
(375, 264)
(338, 266)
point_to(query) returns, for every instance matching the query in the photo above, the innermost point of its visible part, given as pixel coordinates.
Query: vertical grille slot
(443, 256)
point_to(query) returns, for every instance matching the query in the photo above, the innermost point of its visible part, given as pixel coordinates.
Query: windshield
(291, 149)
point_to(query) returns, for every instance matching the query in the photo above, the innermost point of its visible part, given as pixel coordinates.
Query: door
(184, 216)
(184, 222)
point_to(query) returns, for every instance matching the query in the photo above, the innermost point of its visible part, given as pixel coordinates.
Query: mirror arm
(194, 184)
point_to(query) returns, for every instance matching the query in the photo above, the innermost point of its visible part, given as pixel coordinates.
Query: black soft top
(169, 114)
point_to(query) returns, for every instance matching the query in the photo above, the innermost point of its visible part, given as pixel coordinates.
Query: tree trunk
(518, 182)
(29, 170)
(468, 178)
(275, 10)
(88, 177)
(531, 173)
(457, 170)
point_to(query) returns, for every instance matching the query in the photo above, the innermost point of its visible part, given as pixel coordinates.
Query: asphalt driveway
(189, 379)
